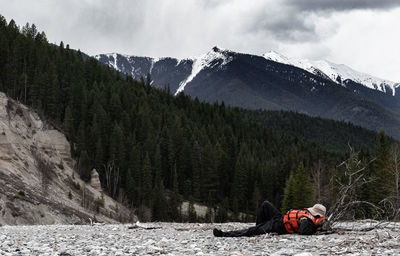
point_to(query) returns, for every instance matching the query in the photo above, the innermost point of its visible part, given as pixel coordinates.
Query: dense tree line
(150, 148)
(331, 135)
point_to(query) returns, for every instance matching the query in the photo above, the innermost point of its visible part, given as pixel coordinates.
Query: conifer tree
(84, 166)
(222, 211)
(116, 151)
(298, 192)
(383, 183)
(256, 198)
(192, 216)
(196, 171)
(69, 124)
(209, 179)
(288, 196)
(303, 189)
(157, 167)
(239, 190)
(99, 154)
(159, 205)
(130, 184)
(175, 200)
(146, 180)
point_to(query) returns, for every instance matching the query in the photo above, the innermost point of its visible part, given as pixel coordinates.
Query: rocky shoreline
(191, 239)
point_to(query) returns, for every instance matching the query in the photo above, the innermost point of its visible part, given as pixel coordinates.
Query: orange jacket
(292, 219)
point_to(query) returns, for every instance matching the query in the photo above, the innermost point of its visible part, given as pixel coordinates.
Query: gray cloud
(186, 28)
(293, 20)
(285, 26)
(343, 5)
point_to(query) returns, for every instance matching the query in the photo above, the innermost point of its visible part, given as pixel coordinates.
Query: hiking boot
(218, 232)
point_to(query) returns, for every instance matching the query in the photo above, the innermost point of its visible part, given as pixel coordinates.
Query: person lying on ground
(270, 220)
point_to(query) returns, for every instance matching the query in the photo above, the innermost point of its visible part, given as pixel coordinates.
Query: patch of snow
(153, 61)
(334, 71)
(179, 61)
(115, 66)
(204, 61)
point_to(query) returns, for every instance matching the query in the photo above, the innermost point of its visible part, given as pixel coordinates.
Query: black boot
(218, 232)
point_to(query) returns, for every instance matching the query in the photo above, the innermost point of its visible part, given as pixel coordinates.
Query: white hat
(317, 209)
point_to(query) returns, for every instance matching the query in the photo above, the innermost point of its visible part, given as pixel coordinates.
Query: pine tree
(239, 190)
(298, 191)
(303, 189)
(256, 198)
(99, 154)
(209, 179)
(69, 124)
(146, 180)
(158, 179)
(192, 216)
(196, 171)
(383, 178)
(288, 197)
(116, 151)
(175, 200)
(130, 184)
(159, 205)
(222, 212)
(84, 166)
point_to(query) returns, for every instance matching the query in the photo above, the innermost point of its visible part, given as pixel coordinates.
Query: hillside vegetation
(151, 149)
(330, 135)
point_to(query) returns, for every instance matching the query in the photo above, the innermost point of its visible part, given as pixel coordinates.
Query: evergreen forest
(154, 150)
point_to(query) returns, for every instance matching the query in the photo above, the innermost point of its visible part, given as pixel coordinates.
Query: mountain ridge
(338, 73)
(256, 82)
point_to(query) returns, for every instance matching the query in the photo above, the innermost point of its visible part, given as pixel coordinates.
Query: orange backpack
(292, 218)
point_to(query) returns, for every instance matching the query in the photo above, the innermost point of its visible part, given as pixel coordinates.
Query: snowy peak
(275, 56)
(138, 67)
(211, 59)
(338, 73)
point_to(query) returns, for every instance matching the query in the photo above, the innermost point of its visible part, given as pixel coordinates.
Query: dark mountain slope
(385, 99)
(329, 134)
(253, 82)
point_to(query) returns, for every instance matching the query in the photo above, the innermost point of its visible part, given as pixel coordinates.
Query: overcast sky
(363, 34)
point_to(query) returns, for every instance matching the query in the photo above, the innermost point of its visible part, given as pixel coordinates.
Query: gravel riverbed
(191, 239)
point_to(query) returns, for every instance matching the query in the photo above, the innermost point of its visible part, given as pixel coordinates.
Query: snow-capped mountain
(263, 82)
(208, 60)
(338, 73)
(176, 73)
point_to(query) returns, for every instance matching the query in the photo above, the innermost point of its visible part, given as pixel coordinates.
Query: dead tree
(395, 154)
(348, 186)
(112, 178)
(316, 176)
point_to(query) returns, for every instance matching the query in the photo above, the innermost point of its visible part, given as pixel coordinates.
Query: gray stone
(95, 180)
(190, 239)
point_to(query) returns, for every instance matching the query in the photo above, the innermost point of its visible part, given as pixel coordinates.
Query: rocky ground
(191, 239)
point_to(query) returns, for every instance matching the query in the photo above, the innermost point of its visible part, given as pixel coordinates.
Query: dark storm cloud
(286, 26)
(293, 20)
(343, 5)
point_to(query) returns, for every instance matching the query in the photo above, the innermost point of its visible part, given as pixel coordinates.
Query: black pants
(269, 220)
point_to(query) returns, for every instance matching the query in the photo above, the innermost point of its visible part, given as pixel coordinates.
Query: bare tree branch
(347, 201)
